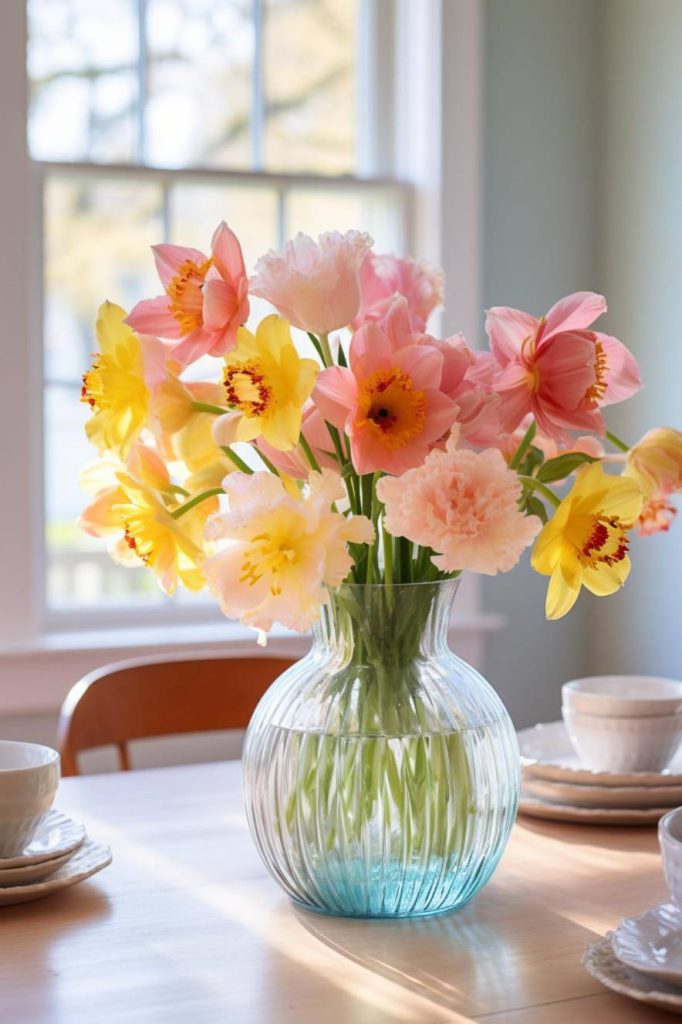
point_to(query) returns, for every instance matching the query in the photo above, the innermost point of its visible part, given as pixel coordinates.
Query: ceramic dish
(547, 753)
(590, 815)
(600, 960)
(624, 744)
(90, 858)
(603, 796)
(57, 834)
(32, 872)
(652, 943)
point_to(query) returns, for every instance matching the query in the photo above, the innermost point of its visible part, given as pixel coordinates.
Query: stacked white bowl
(624, 723)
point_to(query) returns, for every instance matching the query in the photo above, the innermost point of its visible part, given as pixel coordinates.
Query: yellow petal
(603, 580)
(560, 597)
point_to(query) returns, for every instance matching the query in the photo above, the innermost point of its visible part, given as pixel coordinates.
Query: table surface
(186, 926)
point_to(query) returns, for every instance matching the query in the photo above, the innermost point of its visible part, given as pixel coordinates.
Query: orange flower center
(248, 389)
(91, 390)
(391, 408)
(130, 540)
(185, 292)
(597, 389)
(604, 541)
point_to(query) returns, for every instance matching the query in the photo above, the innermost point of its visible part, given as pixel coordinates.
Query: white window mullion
(20, 408)
(258, 96)
(142, 83)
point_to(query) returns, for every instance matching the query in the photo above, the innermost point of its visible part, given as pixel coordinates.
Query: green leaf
(534, 507)
(533, 459)
(562, 466)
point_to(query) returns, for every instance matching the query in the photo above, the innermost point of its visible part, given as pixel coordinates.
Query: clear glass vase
(381, 772)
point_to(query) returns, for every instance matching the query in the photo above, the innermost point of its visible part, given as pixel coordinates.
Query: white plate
(89, 858)
(603, 796)
(590, 815)
(57, 834)
(547, 753)
(32, 872)
(600, 960)
(652, 943)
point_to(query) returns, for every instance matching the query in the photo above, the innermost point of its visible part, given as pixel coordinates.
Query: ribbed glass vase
(381, 772)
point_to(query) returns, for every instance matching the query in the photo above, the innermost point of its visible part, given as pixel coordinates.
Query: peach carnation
(463, 505)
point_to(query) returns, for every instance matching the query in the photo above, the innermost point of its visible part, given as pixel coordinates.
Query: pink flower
(388, 402)
(382, 277)
(463, 505)
(556, 369)
(315, 285)
(206, 298)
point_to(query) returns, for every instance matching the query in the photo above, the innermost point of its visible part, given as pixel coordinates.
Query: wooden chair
(131, 700)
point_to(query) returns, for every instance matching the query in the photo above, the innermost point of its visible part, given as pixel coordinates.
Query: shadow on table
(632, 837)
(474, 960)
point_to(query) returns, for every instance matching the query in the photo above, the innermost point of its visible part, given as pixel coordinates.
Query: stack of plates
(642, 958)
(59, 855)
(558, 787)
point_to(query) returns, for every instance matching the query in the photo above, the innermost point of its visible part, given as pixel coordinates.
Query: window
(182, 113)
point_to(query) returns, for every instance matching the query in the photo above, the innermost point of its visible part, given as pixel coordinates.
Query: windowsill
(191, 636)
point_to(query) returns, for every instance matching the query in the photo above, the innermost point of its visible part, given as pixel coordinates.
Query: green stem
(327, 357)
(309, 454)
(524, 446)
(195, 501)
(542, 488)
(239, 462)
(216, 410)
(266, 461)
(316, 345)
(616, 442)
(388, 556)
(176, 489)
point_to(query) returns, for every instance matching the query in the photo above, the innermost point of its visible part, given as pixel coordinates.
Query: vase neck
(391, 623)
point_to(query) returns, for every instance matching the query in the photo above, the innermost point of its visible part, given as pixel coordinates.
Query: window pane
(379, 212)
(83, 80)
(251, 212)
(310, 82)
(200, 83)
(97, 238)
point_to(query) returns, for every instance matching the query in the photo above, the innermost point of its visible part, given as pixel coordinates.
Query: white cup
(29, 776)
(670, 838)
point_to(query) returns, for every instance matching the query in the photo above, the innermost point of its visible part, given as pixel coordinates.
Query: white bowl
(29, 776)
(624, 744)
(623, 696)
(670, 838)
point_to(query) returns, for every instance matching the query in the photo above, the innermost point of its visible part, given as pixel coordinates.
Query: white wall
(541, 77)
(640, 256)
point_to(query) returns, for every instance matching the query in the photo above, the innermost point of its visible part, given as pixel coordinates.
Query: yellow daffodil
(118, 384)
(133, 505)
(585, 543)
(267, 382)
(284, 549)
(655, 463)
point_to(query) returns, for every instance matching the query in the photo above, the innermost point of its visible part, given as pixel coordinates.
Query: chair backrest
(148, 697)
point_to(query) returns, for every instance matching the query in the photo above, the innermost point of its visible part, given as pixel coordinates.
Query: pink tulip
(389, 402)
(556, 369)
(206, 298)
(315, 285)
(382, 277)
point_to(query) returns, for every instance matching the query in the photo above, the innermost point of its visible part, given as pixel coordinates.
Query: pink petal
(397, 323)
(335, 394)
(370, 350)
(168, 259)
(575, 312)
(227, 253)
(441, 413)
(423, 363)
(565, 365)
(622, 373)
(153, 316)
(193, 346)
(223, 306)
(507, 329)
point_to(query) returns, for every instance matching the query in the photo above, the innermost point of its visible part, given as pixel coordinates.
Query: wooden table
(187, 927)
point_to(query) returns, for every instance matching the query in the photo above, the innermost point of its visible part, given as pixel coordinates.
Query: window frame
(442, 40)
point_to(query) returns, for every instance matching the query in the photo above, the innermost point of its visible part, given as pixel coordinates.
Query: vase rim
(398, 586)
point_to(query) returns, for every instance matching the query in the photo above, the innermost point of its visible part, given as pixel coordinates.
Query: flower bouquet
(342, 478)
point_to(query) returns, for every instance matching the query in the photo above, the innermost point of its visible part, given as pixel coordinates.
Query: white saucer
(32, 872)
(547, 753)
(89, 858)
(579, 795)
(600, 960)
(590, 815)
(57, 834)
(652, 943)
